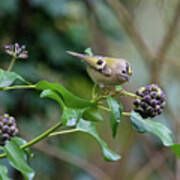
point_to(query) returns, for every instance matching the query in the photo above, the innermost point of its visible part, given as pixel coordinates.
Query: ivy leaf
(116, 111)
(7, 78)
(145, 125)
(92, 114)
(176, 149)
(52, 95)
(27, 151)
(138, 123)
(69, 99)
(88, 51)
(3, 173)
(17, 159)
(90, 128)
(70, 116)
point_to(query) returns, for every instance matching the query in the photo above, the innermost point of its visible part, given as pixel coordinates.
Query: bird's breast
(100, 78)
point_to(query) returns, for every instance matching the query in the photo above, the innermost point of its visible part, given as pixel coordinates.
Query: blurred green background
(51, 27)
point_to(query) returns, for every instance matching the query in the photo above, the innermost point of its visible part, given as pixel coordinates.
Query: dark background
(146, 33)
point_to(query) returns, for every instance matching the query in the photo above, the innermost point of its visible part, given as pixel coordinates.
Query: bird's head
(124, 70)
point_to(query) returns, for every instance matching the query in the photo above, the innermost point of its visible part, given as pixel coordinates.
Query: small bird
(106, 71)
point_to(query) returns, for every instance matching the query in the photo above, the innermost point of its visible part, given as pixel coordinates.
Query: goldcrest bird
(106, 71)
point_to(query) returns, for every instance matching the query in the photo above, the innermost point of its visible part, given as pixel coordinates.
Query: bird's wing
(106, 71)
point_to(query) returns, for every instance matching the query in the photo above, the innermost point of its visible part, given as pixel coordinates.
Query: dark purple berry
(153, 94)
(138, 93)
(5, 120)
(6, 137)
(144, 105)
(147, 98)
(154, 87)
(1, 124)
(149, 109)
(148, 88)
(142, 94)
(8, 128)
(151, 102)
(137, 102)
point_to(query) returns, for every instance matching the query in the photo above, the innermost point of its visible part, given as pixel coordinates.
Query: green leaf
(145, 125)
(90, 128)
(3, 173)
(7, 78)
(21, 142)
(70, 116)
(17, 159)
(116, 111)
(52, 95)
(92, 114)
(138, 123)
(88, 51)
(176, 149)
(69, 99)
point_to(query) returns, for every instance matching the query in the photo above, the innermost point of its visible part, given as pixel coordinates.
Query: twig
(165, 45)
(98, 37)
(124, 17)
(61, 155)
(173, 61)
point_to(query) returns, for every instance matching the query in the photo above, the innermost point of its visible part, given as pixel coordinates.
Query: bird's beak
(81, 56)
(128, 69)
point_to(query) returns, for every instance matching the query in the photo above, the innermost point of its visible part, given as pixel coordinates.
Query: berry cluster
(151, 102)
(8, 128)
(16, 51)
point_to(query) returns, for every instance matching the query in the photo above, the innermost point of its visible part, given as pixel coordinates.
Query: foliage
(78, 114)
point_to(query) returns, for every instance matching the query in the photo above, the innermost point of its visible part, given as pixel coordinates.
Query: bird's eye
(123, 71)
(100, 62)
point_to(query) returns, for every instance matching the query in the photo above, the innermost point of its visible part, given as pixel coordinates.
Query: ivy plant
(78, 115)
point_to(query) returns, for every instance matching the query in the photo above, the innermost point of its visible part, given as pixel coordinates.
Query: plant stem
(104, 108)
(63, 132)
(120, 93)
(19, 87)
(37, 139)
(12, 64)
(126, 93)
(107, 109)
(126, 114)
(42, 136)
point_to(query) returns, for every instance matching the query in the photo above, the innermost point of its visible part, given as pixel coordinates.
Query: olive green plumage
(106, 71)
